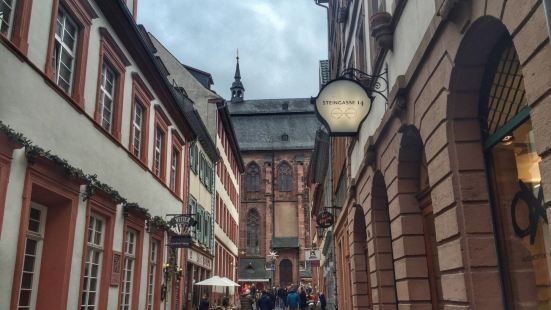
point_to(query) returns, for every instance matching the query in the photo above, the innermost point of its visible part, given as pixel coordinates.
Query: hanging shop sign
(181, 225)
(325, 219)
(342, 105)
(180, 241)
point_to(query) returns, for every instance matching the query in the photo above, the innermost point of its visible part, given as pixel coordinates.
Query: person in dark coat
(264, 302)
(323, 301)
(204, 304)
(303, 299)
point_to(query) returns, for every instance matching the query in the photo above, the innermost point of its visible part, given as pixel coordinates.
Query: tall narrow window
(107, 89)
(151, 276)
(174, 171)
(128, 269)
(6, 16)
(65, 46)
(253, 227)
(137, 131)
(32, 258)
(158, 159)
(193, 157)
(285, 177)
(252, 178)
(92, 268)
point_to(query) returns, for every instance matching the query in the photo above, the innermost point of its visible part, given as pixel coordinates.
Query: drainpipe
(547, 10)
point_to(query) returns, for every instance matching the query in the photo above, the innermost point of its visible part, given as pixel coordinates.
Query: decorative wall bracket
(377, 84)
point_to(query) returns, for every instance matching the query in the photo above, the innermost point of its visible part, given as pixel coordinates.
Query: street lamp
(273, 257)
(319, 230)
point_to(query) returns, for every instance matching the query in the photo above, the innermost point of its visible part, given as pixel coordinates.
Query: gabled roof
(123, 24)
(203, 77)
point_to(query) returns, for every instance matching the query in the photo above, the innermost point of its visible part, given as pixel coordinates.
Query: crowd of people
(293, 297)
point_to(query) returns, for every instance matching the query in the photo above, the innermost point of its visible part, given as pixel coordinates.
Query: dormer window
(284, 137)
(285, 106)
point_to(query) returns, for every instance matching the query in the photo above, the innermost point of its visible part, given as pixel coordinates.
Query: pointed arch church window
(285, 176)
(252, 178)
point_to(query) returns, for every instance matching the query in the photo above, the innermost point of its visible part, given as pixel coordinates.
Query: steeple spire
(237, 89)
(237, 72)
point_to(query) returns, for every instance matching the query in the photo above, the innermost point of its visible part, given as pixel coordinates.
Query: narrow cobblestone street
(261, 154)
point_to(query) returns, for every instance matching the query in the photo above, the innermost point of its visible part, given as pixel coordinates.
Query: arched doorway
(381, 238)
(285, 272)
(524, 241)
(493, 104)
(414, 187)
(359, 258)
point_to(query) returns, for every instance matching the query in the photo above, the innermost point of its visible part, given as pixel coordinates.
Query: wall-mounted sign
(116, 269)
(342, 105)
(325, 219)
(199, 259)
(312, 254)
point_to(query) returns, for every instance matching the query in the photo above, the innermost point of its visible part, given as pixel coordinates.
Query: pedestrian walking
(323, 301)
(204, 304)
(293, 301)
(303, 299)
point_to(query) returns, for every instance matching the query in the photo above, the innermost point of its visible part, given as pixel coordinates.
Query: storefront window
(518, 199)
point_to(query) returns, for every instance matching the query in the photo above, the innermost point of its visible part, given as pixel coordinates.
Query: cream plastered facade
(408, 33)
(33, 108)
(219, 234)
(197, 189)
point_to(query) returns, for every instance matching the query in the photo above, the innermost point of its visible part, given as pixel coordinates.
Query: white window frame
(152, 273)
(71, 51)
(128, 273)
(157, 158)
(92, 248)
(174, 168)
(137, 129)
(105, 95)
(39, 237)
(12, 5)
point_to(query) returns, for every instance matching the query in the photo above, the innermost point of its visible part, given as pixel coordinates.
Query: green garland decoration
(33, 152)
(159, 223)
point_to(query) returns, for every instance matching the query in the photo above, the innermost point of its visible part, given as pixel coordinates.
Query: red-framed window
(139, 119)
(160, 139)
(14, 25)
(98, 251)
(132, 246)
(110, 86)
(6, 151)
(68, 46)
(176, 163)
(154, 270)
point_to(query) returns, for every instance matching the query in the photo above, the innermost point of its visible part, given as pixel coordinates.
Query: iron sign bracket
(377, 84)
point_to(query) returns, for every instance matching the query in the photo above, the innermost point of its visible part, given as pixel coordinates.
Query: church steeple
(237, 89)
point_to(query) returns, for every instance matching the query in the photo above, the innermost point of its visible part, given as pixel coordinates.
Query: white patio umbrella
(214, 281)
(230, 282)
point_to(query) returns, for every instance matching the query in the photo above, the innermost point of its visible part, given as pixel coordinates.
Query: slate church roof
(275, 124)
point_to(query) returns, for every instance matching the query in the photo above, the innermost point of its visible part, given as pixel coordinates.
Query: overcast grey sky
(280, 41)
